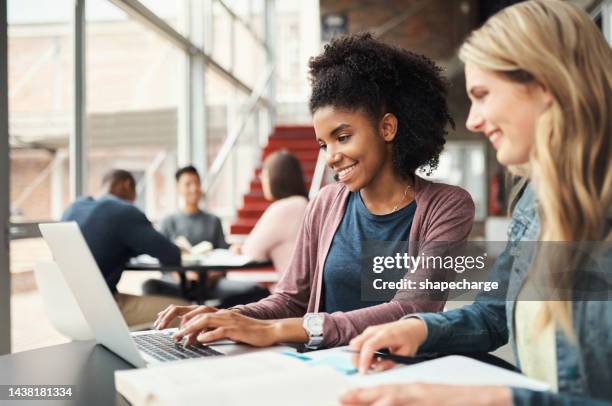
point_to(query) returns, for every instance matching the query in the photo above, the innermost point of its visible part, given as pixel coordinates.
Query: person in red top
(380, 114)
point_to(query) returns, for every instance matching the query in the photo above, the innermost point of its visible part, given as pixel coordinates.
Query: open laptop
(82, 275)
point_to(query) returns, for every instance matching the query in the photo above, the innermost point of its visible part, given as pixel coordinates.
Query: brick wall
(435, 29)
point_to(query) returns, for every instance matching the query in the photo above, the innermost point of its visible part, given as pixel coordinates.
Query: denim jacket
(584, 370)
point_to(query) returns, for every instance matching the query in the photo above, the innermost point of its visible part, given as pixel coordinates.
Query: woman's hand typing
(185, 313)
(207, 327)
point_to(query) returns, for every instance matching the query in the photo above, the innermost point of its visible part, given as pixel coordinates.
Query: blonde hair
(556, 45)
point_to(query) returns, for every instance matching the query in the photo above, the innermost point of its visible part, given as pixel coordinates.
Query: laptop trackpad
(229, 347)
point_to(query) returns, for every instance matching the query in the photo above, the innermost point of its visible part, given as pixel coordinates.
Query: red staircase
(301, 142)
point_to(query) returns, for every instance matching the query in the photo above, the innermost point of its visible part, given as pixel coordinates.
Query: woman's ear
(548, 98)
(544, 96)
(388, 127)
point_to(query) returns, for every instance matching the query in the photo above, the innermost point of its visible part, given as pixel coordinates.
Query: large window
(165, 82)
(463, 163)
(41, 103)
(134, 81)
(40, 106)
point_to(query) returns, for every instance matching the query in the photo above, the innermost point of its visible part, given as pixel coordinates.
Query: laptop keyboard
(162, 347)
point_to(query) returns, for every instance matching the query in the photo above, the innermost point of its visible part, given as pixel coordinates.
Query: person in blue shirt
(115, 231)
(539, 79)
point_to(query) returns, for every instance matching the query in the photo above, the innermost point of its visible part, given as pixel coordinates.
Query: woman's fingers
(198, 310)
(387, 400)
(369, 347)
(207, 327)
(382, 365)
(201, 322)
(212, 335)
(240, 329)
(402, 337)
(377, 364)
(356, 343)
(365, 396)
(165, 317)
(197, 324)
(383, 395)
(190, 339)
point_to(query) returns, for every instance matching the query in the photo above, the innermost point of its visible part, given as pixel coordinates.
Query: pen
(400, 359)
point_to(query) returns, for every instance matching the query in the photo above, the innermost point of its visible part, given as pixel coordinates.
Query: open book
(205, 254)
(271, 378)
(252, 379)
(188, 249)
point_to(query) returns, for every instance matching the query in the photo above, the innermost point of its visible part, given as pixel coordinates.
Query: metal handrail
(230, 141)
(40, 178)
(244, 23)
(159, 159)
(138, 11)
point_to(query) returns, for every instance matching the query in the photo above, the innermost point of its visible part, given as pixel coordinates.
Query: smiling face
(356, 151)
(505, 111)
(189, 188)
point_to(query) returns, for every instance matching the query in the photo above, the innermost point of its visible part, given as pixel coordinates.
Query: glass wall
(134, 81)
(40, 106)
(141, 105)
(463, 163)
(239, 24)
(41, 103)
(297, 40)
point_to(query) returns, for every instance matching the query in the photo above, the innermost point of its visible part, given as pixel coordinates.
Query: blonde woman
(539, 77)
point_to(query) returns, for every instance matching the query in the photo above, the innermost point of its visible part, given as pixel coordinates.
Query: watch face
(314, 324)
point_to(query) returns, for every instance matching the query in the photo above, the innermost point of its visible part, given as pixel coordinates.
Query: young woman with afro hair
(380, 115)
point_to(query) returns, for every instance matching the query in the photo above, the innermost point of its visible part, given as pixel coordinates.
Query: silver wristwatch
(313, 324)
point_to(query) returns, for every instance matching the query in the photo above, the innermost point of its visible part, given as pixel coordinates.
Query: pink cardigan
(276, 231)
(443, 213)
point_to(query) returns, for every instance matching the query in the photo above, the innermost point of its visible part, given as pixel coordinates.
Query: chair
(62, 308)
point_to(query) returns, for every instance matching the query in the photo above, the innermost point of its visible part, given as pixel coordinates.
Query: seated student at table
(274, 235)
(197, 225)
(115, 231)
(190, 221)
(379, 114)
(538, 74)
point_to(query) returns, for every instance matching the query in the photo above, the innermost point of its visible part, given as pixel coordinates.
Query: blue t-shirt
(342, 269)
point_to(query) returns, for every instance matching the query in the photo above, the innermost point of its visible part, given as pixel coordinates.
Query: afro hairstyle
(360, 73)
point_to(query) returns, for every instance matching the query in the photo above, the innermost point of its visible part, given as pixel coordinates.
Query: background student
(190, 221)
(538, 75)
(197, 225)
(380, 114)
(274, 235)
(115, 231)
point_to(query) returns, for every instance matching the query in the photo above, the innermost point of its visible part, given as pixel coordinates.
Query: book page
(183, 243)
(224, 257)
(319, 386)
(451, 370)
(242, 379)
(274, 379)
(202, 248)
